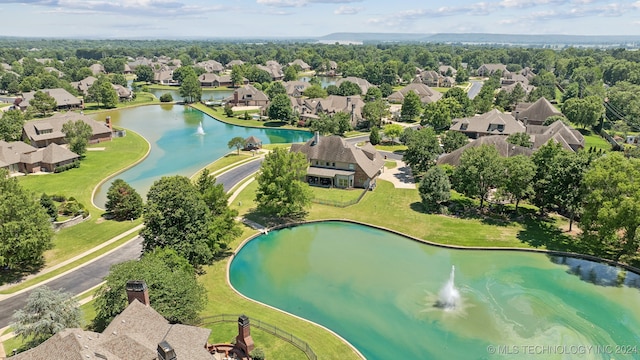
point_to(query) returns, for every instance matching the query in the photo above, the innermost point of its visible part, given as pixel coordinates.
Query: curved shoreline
(240, 125)
(412, 238)
(109, 177)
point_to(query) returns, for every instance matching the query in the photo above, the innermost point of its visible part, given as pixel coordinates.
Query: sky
(312, 18)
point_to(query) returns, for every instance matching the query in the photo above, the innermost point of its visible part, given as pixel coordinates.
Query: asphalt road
(476, 85)
(93, 273)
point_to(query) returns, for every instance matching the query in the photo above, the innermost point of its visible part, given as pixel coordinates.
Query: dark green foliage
(280, 108)
(102, 92)
(166, 97)
(520, 171)
(223, 228)
(49, 206)
(190, 89)
(422, 150)
(434, 188)
(237, 142)
(123, 201)
(281, 190)
(585, 112)
(174, 291)
(480, 170)
(144, 73)
(77, 135)
(336, 124)
(290, 73)
(11, 124)
(73, 165)
(276, 88)
(411, 107)
(315, 91)
(347, 88)
(520, 139)
(25, 230)
(257, 354)
(43, 102)
(452, 140)
(374, 136)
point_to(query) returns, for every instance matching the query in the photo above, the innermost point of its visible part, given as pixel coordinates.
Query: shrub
(257, 354)
(58, 198)
(62, 168)
(228, 111)
(166, 97)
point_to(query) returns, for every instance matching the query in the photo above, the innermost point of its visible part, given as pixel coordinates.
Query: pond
(207, 94)
(176, 146)
(382, 293)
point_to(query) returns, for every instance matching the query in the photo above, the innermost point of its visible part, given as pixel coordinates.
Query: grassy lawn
(441, 89)
(227, 160)
(142, 98)
(335, 195)
(594, 140)
(218, 113)
(275, 146)
(222, 299)
(400, 148)
(79, 183)
(390, 164)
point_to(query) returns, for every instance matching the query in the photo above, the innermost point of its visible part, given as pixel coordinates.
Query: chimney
(244, 340)
(166, 352)
(137, 290)
(316, 138)
(108, 120)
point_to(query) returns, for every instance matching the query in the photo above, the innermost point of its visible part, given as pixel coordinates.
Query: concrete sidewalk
(400, 176)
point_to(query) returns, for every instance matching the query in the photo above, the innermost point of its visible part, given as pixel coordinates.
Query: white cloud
(153, 8)
(347, 10)
(299, 3)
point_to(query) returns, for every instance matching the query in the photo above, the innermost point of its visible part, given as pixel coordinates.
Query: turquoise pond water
(378, 290)
(176, 148)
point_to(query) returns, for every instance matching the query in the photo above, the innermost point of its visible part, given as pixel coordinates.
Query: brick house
(41, 133)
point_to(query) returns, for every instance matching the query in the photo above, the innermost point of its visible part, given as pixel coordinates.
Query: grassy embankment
(218, 113)
(142, 98)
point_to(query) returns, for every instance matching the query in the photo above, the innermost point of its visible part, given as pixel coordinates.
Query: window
(343, 183)
(352, 167)
(463, 126)
(333, 164)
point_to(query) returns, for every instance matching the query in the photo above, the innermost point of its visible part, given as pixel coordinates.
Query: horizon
(303, 19)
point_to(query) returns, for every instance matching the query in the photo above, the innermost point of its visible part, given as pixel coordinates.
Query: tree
(102, 91)
(347, 88)
(463, 100)
(166, 97)
(25, 230)
(236, 75)
(237, 142)
(190, 89)
(585, 112)
(374, 111)
(46, 313)
(434, 188)
(422, 150)
(462, 75)
(280, 108)
(545, 159)
(184, 72)
(480, 170)
(411, 107)
(567, 182)
(611, 215)
(315, 91)
(392, 131)
(452, 140)
(11, 124)
(174, 291)
(373, 94)
(374, 136)
(440, 113)
(77, 135)
(276, 88)
(223, 228)
(281, 188)
(177, 217)
(386, 90)
(43, 102)
(123, 201)
(119, 79)
(49, 206)
(520, 171)
(290, 73)
(144, 73)
(520, 139)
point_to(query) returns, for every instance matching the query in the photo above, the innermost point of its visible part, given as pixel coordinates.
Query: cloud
(299, 3)
(154, 8)
(347, 10)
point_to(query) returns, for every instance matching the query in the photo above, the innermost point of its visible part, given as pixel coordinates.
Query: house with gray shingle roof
(296, 88)
(303, 65)
(505, 149)
(491, 123)
(40, 133)
(536, 113)
(558, 132)
(97, 69)
(210, 66)
(363, 83)
(429, 78)
(232, 63)
(490, 69)
(274, 69)
(337, 163)
(247, 96)
(64, 99)
(17, 156)
(427, 95)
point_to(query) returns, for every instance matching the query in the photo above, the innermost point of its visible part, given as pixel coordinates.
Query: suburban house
(41, 133)
(252, 143)
(559, 132)
(296, 88)
(303, 65)
(429, 78)
(139, 332)
(215, 80)
(232, 63)
(337, 163)
(64, 99)
(536, 113)
(54, 71)
(19, 157)
(97, 69)
(427, 95)
(447, 70)
(491, 123)
(247, 96)
(134, 63)
(83, 86)
(308, 109)
(504, 148)
(164, 77)
(364, 84)
(487, 70)
(274, 69)
(210, 66)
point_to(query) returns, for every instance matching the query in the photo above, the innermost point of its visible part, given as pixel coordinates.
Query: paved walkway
(400, 176)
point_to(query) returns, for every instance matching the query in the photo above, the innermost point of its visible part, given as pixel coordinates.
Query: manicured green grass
(5, 105)
(276, 146)
(336, 195)
(227, 160)
(79, 183)
(223, 300)
(390, 164)
(142, 98)
(218, 113)
(594, 140)
(441, 89)
(391, 147)
(354, 133)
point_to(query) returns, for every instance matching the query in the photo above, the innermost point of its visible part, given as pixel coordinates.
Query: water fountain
(200, 130)
(449, 296)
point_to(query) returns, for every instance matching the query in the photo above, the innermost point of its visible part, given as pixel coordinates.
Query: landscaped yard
(391, 147)
(334, 195)
(142, 98)
(218, 113)
(594, 140)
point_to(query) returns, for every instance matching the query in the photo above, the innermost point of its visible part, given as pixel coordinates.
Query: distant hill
(472, 38)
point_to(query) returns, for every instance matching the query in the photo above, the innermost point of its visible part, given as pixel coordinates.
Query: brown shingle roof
(539, 111)
(62, 97)
(504, 148)
(427, 95)
(56, 121)
(486, 123)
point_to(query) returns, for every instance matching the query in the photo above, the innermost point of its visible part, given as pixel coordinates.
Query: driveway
(400, 176)
(476, 85)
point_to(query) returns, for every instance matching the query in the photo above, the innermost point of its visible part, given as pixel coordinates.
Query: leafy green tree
(373, 94)
(280, 108)
(281, 188)
(520, 139)
(411, 107)
(463, 100)
(223, 228)
(374, 136)
(480, 170)
(46, 313)
(440, 113)
(553, 118)
(177, 217)
(237, 142)
(119, 79)
(166, 97)
(25, 230)
(546, 160)
(374, 111)
(392, 131)
(11, 124)
(585, 112)
(49, 206)
(462, 75)
(386, 90)
(174, 291)
(453, 140)
(332, 90)
(77, 135)
(567, 182)
(236, 75)
(102, 91)
(347, 88)
(290, 73)
(434, 188)
(336, 124)
(275, 89)
(43, 102)
(315, 91)
(143, 73)
(184, 72)
(520, 171)
(123, 201)
(422, 150)
(611, 215)
(190, 89)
